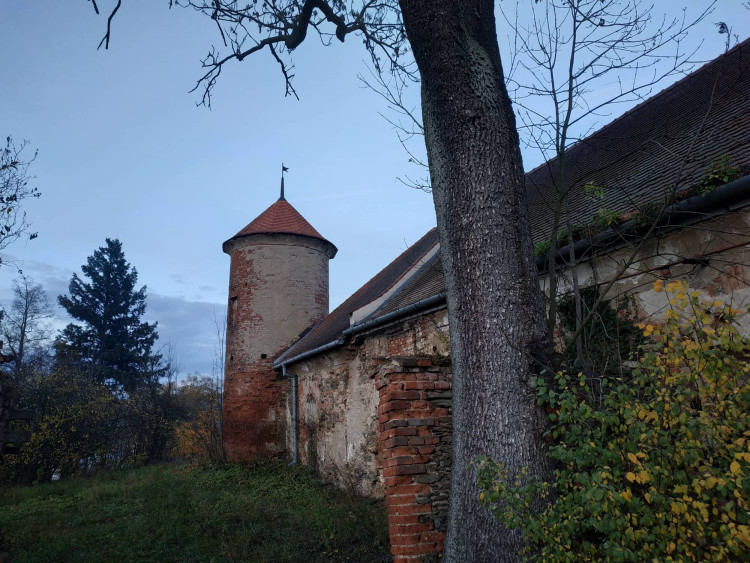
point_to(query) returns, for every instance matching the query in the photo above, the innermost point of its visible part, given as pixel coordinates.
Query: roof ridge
(332, 325)
(413, 263)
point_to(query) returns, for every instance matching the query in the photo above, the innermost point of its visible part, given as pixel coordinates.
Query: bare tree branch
(105, 39)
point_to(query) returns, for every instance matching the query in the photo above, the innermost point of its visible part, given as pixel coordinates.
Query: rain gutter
(729, 197)
(418, 306)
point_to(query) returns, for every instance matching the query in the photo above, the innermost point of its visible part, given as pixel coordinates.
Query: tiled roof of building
(281, 217)
(663, 145)
(331, 327)
(426, 282)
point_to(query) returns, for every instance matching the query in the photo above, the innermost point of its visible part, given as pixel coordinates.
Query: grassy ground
(187, 513)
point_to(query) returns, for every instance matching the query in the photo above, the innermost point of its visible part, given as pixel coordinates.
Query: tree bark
(498, 330)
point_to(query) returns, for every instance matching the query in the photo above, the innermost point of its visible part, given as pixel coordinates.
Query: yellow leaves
(690, 345)
(711, 482)
(702, 509)
(634, 459)
(679, 508)
(648, 416)
(680, 489)
(676, 441)
(676, 286)
(659, 286)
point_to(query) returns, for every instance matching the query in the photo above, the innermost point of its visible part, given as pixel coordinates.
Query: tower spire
(283, 169)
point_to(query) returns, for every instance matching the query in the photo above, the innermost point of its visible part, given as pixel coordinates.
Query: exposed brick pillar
(415, 438)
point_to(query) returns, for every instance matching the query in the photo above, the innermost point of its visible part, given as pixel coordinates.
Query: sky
(124, 152)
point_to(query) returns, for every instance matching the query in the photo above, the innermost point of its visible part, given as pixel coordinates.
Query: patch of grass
(266, 512)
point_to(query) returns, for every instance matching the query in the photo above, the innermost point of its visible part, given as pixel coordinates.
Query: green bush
(659, 467)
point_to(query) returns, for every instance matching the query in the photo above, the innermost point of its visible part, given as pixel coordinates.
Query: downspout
(295, 425)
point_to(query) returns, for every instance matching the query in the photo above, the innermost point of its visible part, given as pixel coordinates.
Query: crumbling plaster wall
(338, 400)
(713, 256)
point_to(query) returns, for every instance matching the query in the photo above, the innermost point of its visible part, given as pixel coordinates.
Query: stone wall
(337, 404)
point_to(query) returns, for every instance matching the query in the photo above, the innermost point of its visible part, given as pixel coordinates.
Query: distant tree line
(102, 395)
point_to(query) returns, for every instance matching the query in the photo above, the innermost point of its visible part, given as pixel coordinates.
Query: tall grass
(266, 512)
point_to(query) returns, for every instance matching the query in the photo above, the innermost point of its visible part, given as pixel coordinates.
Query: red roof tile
(280, 218)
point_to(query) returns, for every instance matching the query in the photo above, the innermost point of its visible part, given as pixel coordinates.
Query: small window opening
(263, 356)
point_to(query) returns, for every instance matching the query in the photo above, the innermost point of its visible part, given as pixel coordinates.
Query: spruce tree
(110, 341)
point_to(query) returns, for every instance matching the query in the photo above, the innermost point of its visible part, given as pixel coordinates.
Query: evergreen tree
(112, 344)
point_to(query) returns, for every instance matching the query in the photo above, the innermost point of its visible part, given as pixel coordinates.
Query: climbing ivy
(660, 468)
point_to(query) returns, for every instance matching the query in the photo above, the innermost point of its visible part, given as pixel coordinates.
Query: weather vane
(283, 169)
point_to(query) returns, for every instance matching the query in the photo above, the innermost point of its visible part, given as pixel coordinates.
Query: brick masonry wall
(278, 287)
(253, 423)
(415, 433)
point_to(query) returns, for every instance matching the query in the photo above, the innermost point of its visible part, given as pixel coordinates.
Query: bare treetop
(575, 59)
(280, 26)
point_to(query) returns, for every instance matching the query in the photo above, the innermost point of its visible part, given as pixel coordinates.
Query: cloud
(179, 279)
(189, 327)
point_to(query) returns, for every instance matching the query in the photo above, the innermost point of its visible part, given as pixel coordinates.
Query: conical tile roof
(281, 218)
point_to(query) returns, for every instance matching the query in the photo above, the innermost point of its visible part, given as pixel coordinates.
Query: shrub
(659, 469)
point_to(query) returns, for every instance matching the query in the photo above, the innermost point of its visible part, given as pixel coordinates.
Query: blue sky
(124, 152)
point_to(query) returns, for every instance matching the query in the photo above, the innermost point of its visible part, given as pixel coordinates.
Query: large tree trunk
(495, 306)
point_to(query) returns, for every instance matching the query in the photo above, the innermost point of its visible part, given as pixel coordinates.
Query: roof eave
(729, 197)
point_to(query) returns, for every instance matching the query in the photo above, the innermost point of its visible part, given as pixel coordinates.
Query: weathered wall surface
(375, 419)
(338, 401)
(712, 256)
(336, 411)
(278, 287)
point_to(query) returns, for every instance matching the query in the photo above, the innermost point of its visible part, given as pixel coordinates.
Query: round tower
(278, 288)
